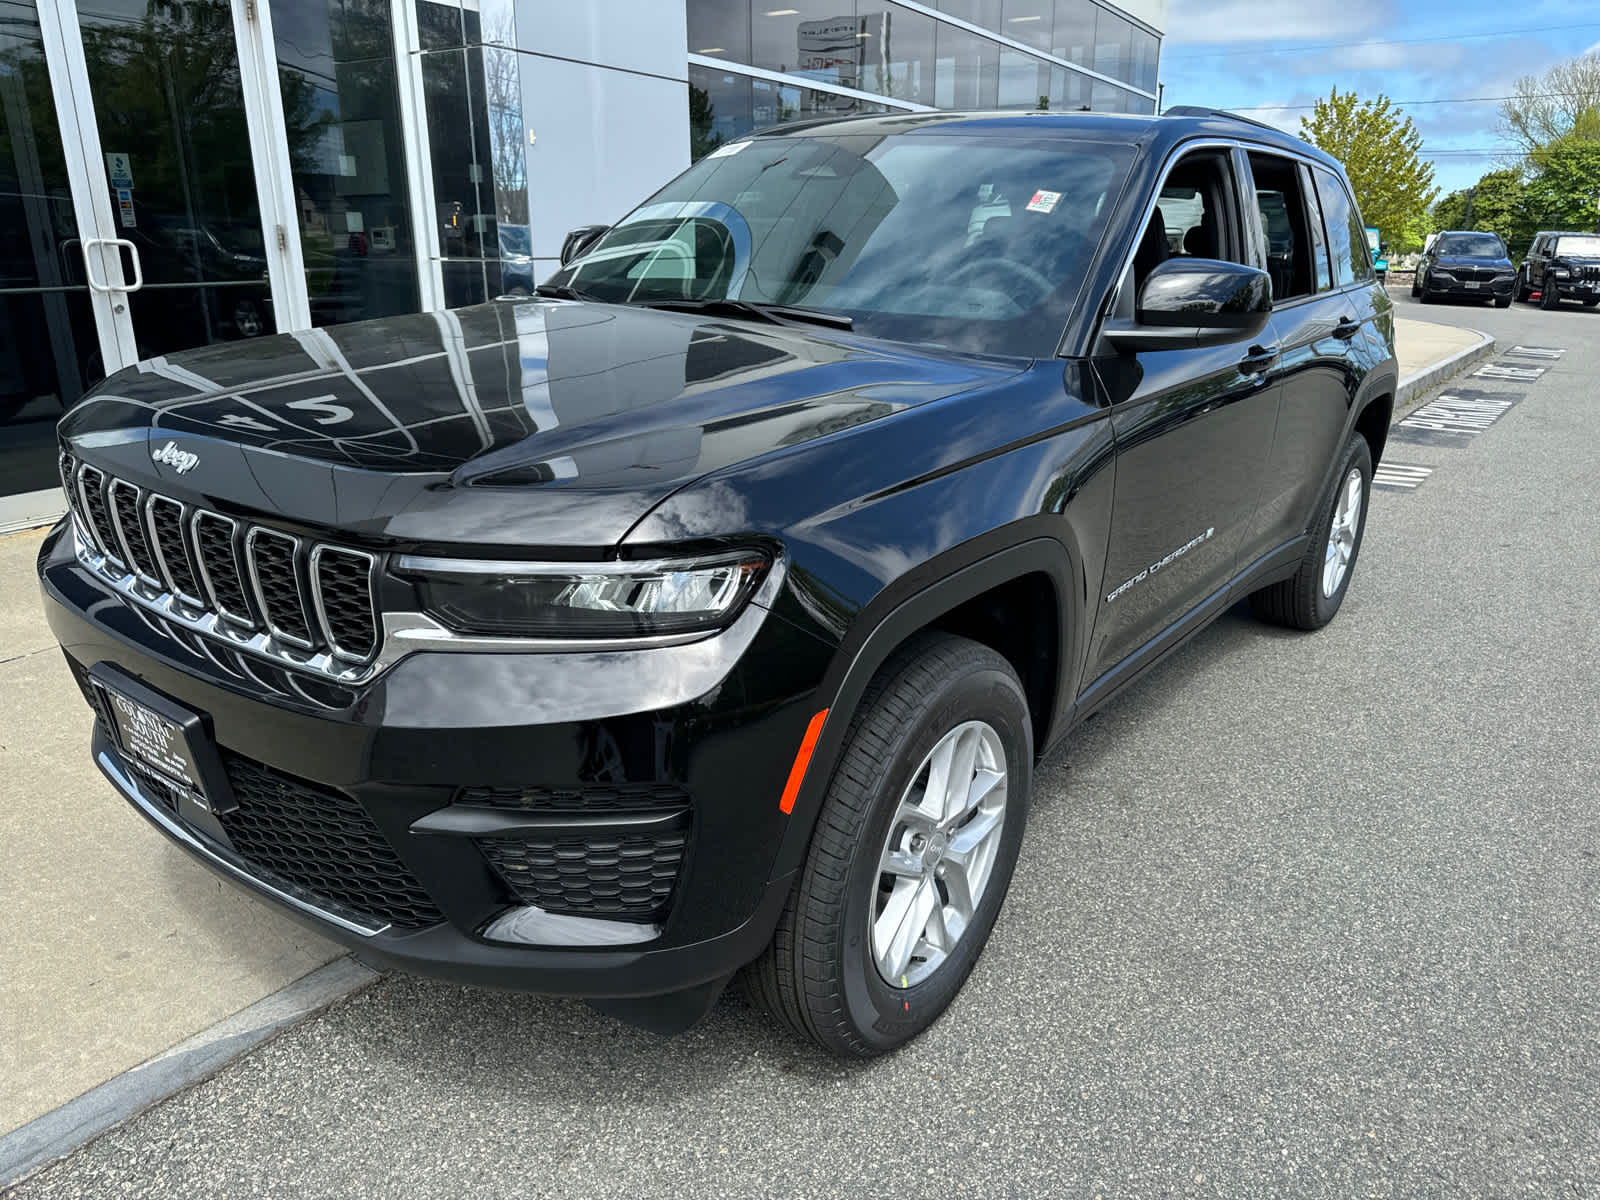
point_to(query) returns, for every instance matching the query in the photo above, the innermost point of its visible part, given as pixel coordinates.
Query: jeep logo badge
(179, 460)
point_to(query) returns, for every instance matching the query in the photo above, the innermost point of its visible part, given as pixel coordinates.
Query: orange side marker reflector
(797, 773)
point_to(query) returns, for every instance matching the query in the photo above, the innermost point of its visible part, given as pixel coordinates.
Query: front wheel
(1523, 290)
(1416, 284)
(1503, 301)
(912, 854)
(1310, 598)
(1550, 295)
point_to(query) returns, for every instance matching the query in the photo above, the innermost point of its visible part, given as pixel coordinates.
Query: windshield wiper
(560, 291)
(775, 314)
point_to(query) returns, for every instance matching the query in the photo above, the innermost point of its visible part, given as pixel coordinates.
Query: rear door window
(1291, 253)
(1347, 237)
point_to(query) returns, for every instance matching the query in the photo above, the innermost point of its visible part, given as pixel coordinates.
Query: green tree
(703, 138)
(1566, 180)
(1381, 152)
(1497, 203)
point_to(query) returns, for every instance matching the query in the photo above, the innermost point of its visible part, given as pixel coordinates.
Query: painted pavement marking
(1400, 477)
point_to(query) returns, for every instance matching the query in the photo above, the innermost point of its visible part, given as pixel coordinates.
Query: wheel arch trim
(847, 677)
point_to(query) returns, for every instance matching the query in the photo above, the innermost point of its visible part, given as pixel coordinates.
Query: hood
(543, 423)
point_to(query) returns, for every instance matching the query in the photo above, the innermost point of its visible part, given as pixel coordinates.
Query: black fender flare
(861, 655)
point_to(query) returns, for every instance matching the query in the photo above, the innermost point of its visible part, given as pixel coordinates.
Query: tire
(1503, 301)
(1303, 601)
(820, 977)
(1549, 297)
(1523, 289)
(1416, 284)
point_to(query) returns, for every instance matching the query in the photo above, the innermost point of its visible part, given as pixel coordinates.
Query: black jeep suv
(1465, 266)
(709, 611)
(1561, 266)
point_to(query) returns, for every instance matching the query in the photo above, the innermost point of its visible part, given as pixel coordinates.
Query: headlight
(1440, 273)
(577, 600)
(1560, 272)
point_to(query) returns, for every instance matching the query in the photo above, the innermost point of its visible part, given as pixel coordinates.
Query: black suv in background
(709, 611)
(1467, 266)
(1561, 266)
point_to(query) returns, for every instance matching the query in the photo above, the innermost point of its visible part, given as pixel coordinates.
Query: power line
(1413, 103)
(1398, 42)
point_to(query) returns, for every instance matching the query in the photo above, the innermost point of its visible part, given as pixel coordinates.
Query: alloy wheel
(939, 855)
(1342, 536)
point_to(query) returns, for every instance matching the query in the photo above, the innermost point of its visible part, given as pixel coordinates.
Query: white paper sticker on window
(730, 148)
(1044, 201)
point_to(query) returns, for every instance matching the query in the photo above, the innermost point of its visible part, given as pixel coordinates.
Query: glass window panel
(439, 25)
(899, 55)
(1113, 46)
(507, 140)
(1029, 21)
(463, 191)
(1024, 81)
(1347, 237)
(720, 109)
(721, 28)
(816, 39)
(984, 13)
(1106, 97)
(347, 150)
(1072, 32)
(1069, 90)
(1319, 239)
(464, 284)
(968, 70)
(1146, 47)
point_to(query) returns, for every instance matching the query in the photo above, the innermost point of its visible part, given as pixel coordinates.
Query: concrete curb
(1419, 382)
(58, 1133)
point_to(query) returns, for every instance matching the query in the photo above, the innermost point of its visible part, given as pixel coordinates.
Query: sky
(1272, 59)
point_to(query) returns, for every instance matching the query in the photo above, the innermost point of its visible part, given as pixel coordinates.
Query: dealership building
(179, 173)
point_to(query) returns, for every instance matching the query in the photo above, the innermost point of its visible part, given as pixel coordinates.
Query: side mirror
(1383, 249)
(579, 240)
(1190, 302)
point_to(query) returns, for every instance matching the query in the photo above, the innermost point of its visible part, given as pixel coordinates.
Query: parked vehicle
(1561, 266)
(1380, 252)
(1465, 265)
(709, 612)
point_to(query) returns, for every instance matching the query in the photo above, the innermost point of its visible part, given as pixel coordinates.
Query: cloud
(1383, 56)
(1211, 22)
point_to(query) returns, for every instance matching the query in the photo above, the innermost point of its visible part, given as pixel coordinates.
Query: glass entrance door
(176, 168)
(50, 348)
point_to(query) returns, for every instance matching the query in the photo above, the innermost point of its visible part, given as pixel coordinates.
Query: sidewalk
(118, 947)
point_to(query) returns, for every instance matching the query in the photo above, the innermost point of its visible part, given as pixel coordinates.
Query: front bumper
(1576, 289)
(1470, 290)
(353, 820)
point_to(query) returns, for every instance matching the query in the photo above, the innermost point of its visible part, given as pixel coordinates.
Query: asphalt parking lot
(1298, 916)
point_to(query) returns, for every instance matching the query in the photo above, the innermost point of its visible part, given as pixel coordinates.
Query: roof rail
(1194, 110)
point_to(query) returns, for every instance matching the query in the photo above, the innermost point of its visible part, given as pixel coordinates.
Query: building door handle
(102, 285)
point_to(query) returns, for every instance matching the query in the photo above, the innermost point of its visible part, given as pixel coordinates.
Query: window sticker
(1044, 201)
(730, 148)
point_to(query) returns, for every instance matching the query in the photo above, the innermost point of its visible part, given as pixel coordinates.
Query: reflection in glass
(1113, 46)
(724, 106)
(900, 54)
(1029, 21)
(983, 13)
(720, 28)
(1024, 81)
(347, 154)
(1072, 36)
(1146, 48)
(968, 69)
(815, 39)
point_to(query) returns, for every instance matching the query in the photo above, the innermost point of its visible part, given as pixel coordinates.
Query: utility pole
(1466, 221)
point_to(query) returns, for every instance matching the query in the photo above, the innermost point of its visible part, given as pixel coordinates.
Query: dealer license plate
(154, 742)
(1473, 284)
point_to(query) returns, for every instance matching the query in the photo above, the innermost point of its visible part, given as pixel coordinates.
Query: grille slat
(274, 573)
(172, 548)
(342, 584)
(217, 551)
(126, 503)
(601, 874)
(585, 798)
(92, 490)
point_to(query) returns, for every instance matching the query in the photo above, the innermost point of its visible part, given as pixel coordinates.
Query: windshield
(974, 244)
(1470, 245)
(1579, 245)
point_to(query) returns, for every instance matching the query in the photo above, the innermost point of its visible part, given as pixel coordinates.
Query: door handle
(1258, 359)
(1347, 328)
(88, 264)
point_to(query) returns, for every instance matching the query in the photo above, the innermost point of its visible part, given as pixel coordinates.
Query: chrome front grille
(258, 589)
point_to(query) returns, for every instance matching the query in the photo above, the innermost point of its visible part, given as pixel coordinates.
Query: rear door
(1322, 310)
(1192, 428)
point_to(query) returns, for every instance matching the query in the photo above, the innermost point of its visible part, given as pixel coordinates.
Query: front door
(1193, 428)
